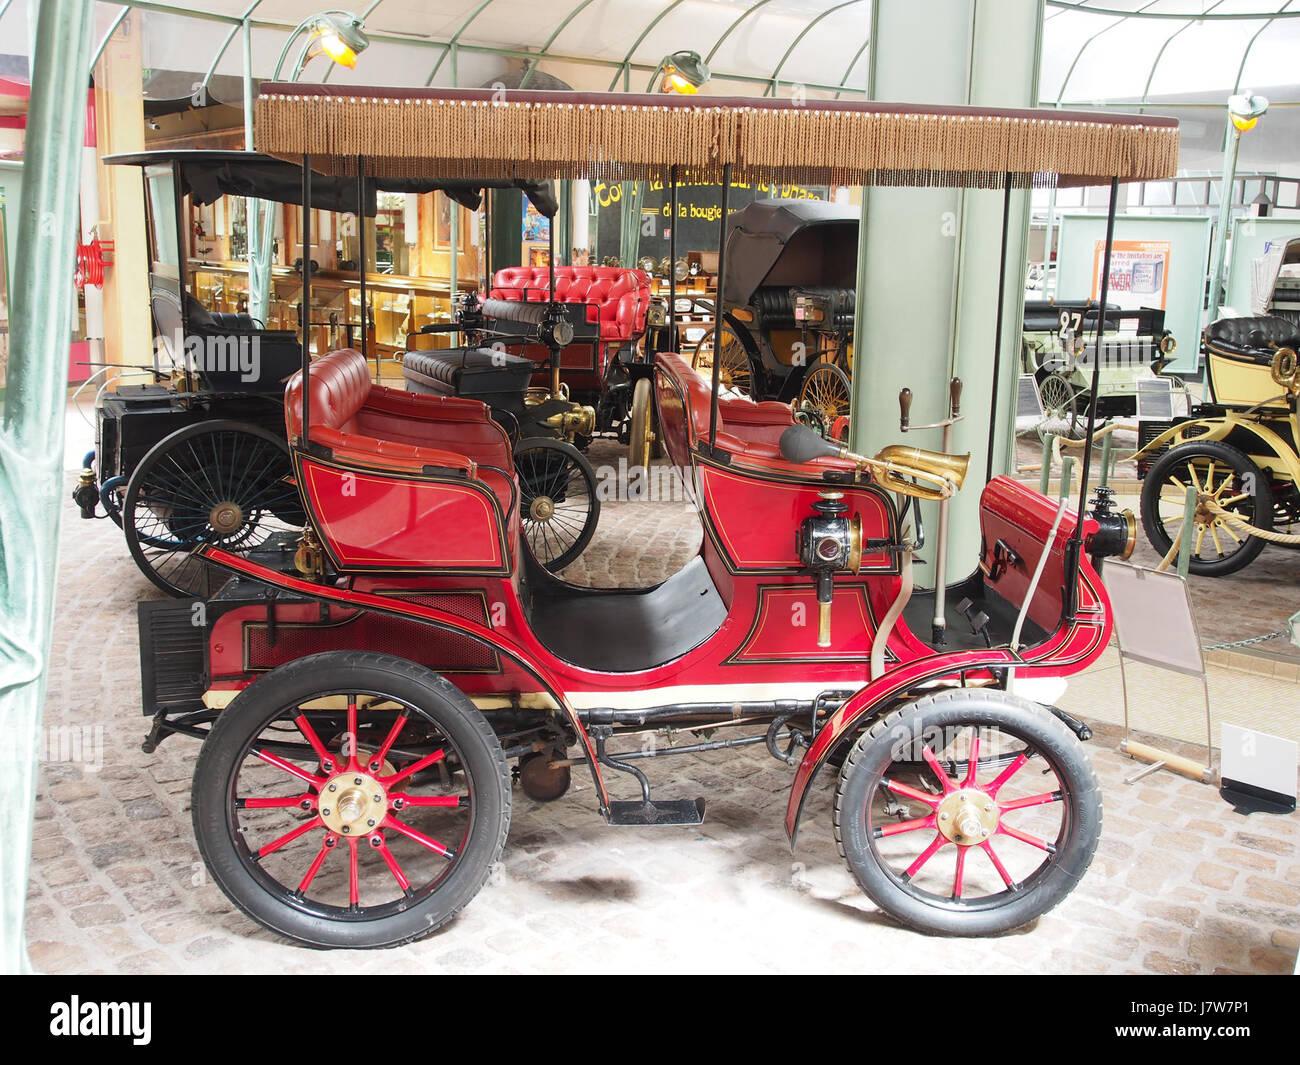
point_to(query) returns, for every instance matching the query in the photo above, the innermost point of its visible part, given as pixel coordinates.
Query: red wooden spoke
(354, 889)
(910, 793)
(309, 734)
(449, 801)
(1031, 800)
(960, 873)
(413, 768)
(1025, 837)
(1016, 765)
(997, 864)
(925, 856)
(933, 763)
(317, 862)
(289, 837)
(972, 766)
(411, 833)
(393, 867)
(289, 767)
(278, 803)
(906, 826)
(391, 738)
(352, 735)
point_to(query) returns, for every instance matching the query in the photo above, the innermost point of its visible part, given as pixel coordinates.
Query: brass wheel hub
(967, 817)
(226, 517)
(542, 508)
(352, 804)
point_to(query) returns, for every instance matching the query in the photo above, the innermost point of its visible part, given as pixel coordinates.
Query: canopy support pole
(182, 273)
(672, 258)
(1075, 546)
(361, 265)
(997, 330)
(717, 307)
(305, 303)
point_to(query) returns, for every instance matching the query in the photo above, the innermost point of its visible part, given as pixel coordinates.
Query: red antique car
(372, 706)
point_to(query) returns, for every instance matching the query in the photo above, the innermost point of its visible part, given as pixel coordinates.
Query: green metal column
(32, 485)
(928, 258)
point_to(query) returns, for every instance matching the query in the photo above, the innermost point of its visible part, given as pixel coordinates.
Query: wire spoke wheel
(969, 812)
(351, 799)
(558, 504)
(735, 370)
(1060, 408)
(1220, 474)
(218, 483)
(826, 390)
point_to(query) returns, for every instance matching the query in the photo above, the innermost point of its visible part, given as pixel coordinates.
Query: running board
(631, 813)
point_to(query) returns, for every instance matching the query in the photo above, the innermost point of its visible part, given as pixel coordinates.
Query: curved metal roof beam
(1151, 74)
(447, 48)
(802, 34)
(644, 33)
(1084, 47)
(112, 29)
(728, 31)
(849, 70)
(1175, 16)
(248, 13)
(532, 65)
(1236, 85)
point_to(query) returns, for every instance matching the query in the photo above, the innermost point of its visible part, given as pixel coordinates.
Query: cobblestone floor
(1181, 882)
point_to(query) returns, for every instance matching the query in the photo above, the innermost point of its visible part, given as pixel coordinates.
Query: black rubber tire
(533, 480)
(871, 757)
(425, 692)
(1176, 459)
(189, 576)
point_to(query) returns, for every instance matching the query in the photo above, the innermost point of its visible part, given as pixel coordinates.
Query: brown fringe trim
(433, 136)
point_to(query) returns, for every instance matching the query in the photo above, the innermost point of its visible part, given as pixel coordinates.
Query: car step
(647, 811)
(631, 813)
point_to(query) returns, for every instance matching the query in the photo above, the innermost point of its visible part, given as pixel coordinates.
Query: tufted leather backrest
(1252, 335)
(613, 295)
(340, 386)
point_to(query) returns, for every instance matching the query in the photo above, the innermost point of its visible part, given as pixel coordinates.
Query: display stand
(1154, 626)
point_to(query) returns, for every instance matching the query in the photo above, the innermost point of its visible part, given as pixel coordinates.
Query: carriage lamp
(340, 37)
(1118, 533)
(683, 72)
(828, 541)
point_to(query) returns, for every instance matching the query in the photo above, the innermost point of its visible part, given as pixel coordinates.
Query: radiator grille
(173, 655)
(1148, 431)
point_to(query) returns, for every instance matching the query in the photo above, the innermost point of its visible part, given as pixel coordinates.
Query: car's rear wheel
(351, 799)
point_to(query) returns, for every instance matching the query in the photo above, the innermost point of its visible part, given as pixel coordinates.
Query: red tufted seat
(749, 431)
(616, 298)
(366, 423)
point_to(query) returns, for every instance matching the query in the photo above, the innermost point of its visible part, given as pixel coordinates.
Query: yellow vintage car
(1238, 449)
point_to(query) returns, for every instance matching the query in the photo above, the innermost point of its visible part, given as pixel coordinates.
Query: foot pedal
(630, 812)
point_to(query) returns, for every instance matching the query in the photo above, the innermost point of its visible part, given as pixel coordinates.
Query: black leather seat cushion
(472, 373)
(1252, 336)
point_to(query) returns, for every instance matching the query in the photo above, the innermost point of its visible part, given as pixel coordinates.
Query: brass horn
(913, 471)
